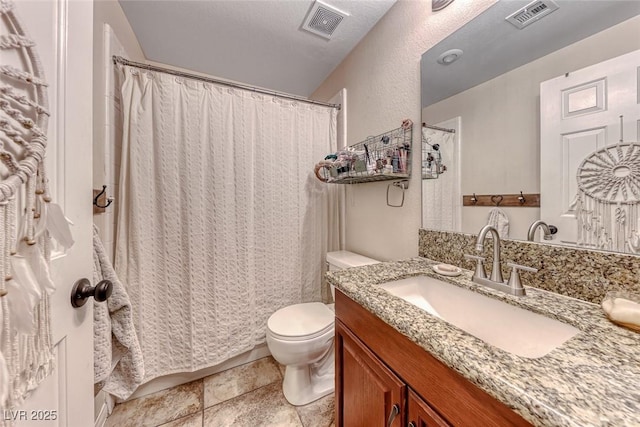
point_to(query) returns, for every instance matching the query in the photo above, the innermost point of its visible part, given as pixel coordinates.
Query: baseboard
(174, 380)
(102, 411)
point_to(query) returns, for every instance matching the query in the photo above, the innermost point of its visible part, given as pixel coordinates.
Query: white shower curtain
(220, 220)
(441, 197)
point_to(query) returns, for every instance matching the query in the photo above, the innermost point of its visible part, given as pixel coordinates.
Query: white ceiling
(492, 46)
(257, 42)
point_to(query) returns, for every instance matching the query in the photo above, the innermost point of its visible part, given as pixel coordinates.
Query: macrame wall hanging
(28, 219)
(608, 201)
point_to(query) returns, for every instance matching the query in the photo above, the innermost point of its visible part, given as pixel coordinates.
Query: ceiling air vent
(322, 19)
(531, 13)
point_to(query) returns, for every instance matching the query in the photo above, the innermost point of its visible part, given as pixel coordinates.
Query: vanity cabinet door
(420, 413)
(367, 392)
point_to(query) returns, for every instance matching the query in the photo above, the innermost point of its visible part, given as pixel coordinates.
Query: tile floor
(247, 395)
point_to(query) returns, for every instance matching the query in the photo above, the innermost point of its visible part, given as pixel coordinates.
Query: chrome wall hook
(521, 198)
(97, 197)
(404, 184)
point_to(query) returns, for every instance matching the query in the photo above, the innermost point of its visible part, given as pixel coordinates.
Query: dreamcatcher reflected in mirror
(28, 219)
(608, 201)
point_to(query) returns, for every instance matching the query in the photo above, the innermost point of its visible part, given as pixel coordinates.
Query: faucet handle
(479, 273)
(522, 267)
(514, 279)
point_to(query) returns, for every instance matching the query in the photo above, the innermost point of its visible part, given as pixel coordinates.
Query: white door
(579, 114)
(63, 31)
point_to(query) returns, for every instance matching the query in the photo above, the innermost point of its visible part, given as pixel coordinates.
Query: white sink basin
(510, 328)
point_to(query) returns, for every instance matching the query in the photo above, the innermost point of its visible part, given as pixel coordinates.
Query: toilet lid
(301, 320)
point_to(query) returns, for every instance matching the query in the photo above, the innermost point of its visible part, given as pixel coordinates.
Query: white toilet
(300, 337)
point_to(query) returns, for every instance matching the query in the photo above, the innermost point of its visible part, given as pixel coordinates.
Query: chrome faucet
(514, 286)
(548, 230)
(496, 271)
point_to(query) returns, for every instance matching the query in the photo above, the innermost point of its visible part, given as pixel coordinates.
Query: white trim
(57, 160)
(103, 412)
(60, 104)
(341, 121)
(340, 98)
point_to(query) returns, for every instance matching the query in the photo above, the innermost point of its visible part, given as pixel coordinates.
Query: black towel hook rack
(109, 199)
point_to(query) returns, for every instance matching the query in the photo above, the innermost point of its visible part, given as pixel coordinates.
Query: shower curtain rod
(424, 125)
(123, 61)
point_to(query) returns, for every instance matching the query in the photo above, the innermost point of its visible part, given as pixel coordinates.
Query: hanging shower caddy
(378, 158)
(432, 166)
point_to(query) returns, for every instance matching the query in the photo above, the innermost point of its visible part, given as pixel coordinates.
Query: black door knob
(82, 290)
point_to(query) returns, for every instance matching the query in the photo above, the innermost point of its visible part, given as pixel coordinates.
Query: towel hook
(521, 198)
(109, 199)
(474, 199)
(497, 199)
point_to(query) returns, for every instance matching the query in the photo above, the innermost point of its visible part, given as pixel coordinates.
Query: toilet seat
(301, 322)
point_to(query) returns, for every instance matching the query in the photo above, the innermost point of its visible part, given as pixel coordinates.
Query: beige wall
(501, 126)
(382, 78)
(112, 34)
(110, 12)
(119, 39)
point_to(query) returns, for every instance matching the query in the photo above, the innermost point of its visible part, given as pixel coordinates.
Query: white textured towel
(499, 219)
(118, 365)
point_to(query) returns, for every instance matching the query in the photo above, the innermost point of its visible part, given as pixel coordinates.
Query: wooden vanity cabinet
(370, 393)
(377, 368)
(420, 414)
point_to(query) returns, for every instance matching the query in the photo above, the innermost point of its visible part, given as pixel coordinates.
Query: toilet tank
(344, 259)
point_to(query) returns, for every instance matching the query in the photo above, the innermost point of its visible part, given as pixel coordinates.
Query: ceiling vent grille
(531, 13)
(323, 19)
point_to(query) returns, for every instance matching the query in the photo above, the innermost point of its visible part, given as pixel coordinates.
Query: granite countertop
(591, 380)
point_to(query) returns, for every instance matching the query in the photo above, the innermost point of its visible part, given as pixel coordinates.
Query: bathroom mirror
(483, 82)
